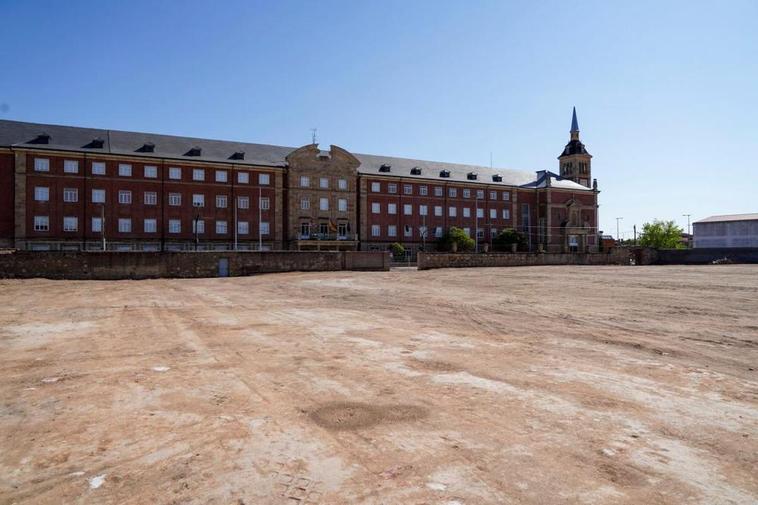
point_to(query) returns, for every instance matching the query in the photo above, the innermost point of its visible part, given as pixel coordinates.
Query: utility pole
(197, 222)
(689, 238)
(635, 234)
(235, 223)
(476, 222)
(260, 192)
(102, 224)
(618, 236)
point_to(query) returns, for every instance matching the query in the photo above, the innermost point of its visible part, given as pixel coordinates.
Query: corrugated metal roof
(70, 138)
(728, 217)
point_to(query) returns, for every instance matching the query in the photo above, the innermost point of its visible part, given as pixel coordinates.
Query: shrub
(397, 249)
(456, 236)
(505, 240)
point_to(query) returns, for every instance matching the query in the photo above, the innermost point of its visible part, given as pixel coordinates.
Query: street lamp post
(618, 237)
(197, 222)
(689, 234)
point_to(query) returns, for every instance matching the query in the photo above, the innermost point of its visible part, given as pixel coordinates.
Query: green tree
(661, 235)
(505, 240)
(397, 249)
(456, 236)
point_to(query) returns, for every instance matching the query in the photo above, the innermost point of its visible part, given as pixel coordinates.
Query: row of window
(71, 223)
(376, 187)
(323, 204)
(423, 210)
(343, 228)
(323, 182)
(150, 171)
(71, 195)
(409, 231)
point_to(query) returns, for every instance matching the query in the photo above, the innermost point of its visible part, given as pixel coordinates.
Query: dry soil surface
(534, 385)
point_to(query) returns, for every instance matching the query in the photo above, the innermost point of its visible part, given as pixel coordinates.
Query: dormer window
(42, 138)
(415, 171)
(147, 147)
(96, 143)
(237, 155)
(497, 178)
(444, 173)
(471, 176)
(384, 168)
(195, 151)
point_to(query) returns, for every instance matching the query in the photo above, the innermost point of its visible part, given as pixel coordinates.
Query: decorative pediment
(310, 156)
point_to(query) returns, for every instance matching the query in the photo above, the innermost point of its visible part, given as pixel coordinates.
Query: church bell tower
(575, 162)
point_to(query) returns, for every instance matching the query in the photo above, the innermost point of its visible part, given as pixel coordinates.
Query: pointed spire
(574, 122)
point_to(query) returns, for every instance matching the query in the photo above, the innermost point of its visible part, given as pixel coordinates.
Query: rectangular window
(124, 170)
(263, 179)
(342, 184)
(342, 230)
(305, 230)
(480, 194)
(342, 205)
(174, 226)
(479, 233)
(493, 232)
(506, 195)
(506, 214)
(174, 199)
(391, 208)
(41, 165)
(376, 187)
(243, 177)
(438, 210)
(70, 195)
(422, 210)
(493, 195)
(323, 203)
(150, 225)
(407, 231)
(305, 204)
(198, 174)
(391, 188)
(423, 190)
(124, 225)
(264, 228)
(221, 176)
(198, 226)
(467, 231)
(221, 201)
(70, 167)
(125, 197)
(97, 224)
(466, 193)
(243, 228)
(466, 212)
(323, 228)
(408, 209)
(493, 213)
(98, 196)
(452, 211)
(221, 227)
(243, 202)
(323, 183)
(407, 189)
(70, 223)
(41, 223)
(198, 200)
(265, 203)
(452, 192)
(376, 208)
(98, 168)
(151, 172)
(41, 193)
(392, 230)
(438, 191)
(305, 181)
(175, 173)
(151, 198)
(375, 230)
(438, 232)
(480, 213)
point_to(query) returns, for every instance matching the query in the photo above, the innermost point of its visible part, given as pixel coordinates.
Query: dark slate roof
(556, 181)
(69, 138)
(574, 122)
(574, 147)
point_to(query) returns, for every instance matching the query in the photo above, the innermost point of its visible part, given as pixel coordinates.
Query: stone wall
(706, 255)
(144, 265)
(464, 260)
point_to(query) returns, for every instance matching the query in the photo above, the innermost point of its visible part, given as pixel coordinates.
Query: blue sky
(666, 91)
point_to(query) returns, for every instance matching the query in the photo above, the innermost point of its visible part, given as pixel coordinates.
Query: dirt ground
(533, 385)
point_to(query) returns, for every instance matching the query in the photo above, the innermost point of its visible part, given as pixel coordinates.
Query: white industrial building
(735, 230)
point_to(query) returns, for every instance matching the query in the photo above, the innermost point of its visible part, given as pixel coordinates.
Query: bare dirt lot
(538, 385)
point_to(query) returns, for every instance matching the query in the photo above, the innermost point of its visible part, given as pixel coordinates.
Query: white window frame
(198, 226)
(124, 197)
(376, 187)
(174, 225)
(391, 188)
(243, 228)
(466, 211)
(423, 190)
(70, 223)
(376, 208)
(480, 213)
(407, 209)
(423, 210)
(305, 181)
(264, 179)
(70, 195)
(392, 230)
(41, 194)
(41, 223)
(124, 170)
(265, 229)
(70, 166)
(222, 201)
(452, 211)
(198, 174)
(392, 208)
(124, 225)
(452, 192)
(150, 172)
(407, 189)
(506, 213)
(98, 168)
(243, 178)
(342, 205)
(150, 198)
(198, 200)
(174, 199)
(222, 227)
(150, 225)
(466, 193)
(41, 164)
(438, 210)
(376, 230)
(243, 202)
(98, 196)
(407, 231)
(342, 184)
(264, 203)
(506, 196)
(305, 204)
(97, 224)
(323, 204)
(493, 213)
(221, 176)
(439, 191)
(175, 173)
(323, 183)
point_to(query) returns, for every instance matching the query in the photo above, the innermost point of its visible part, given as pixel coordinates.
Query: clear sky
(666, 91)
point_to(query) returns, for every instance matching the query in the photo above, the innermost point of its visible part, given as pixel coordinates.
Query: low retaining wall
(706, 255)
(145, 265)
(427, 261)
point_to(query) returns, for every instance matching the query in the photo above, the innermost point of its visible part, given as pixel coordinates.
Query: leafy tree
(397, 249)
(661, 235)
(507, 238)
(456, 236)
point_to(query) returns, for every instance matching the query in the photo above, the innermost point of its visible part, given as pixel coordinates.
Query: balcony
(327, 241)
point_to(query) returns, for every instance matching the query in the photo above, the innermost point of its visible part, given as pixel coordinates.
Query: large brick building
(66, 187)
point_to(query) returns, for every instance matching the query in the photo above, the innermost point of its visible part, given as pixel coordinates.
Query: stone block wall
(428, 261)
